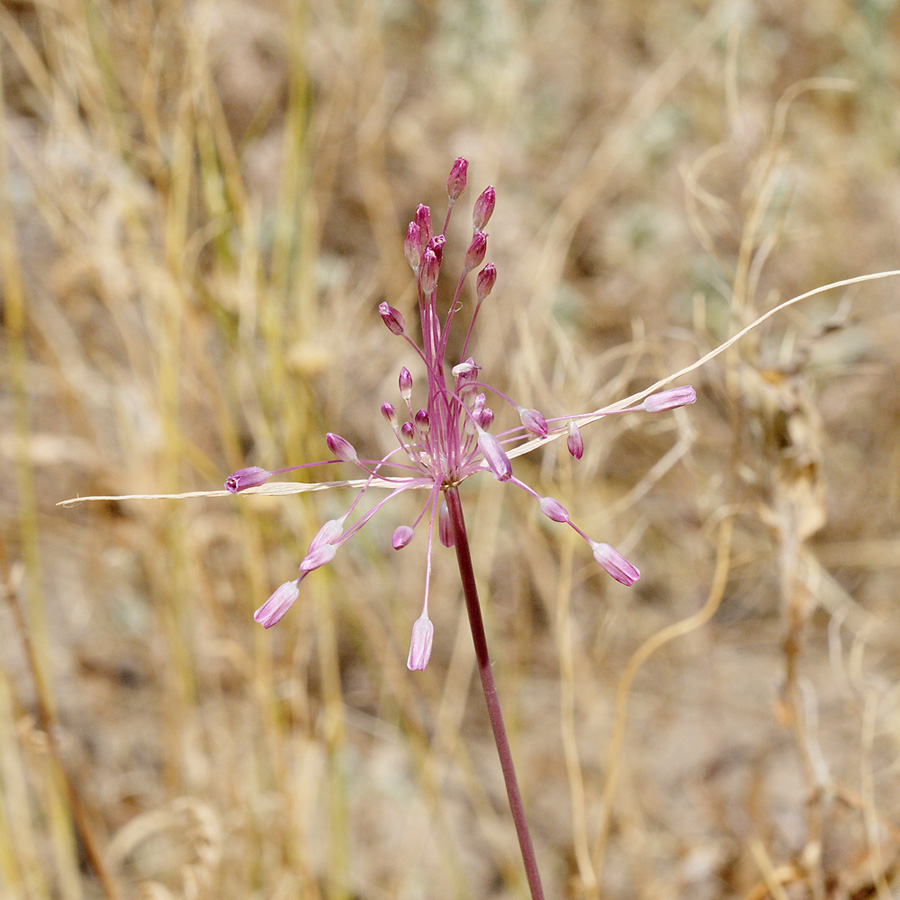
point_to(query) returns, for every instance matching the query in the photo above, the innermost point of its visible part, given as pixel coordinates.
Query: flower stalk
(476, 624)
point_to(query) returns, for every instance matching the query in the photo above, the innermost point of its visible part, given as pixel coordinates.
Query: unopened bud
(670, 399)
(327, 534)
(533, 421)
(456, 182)
(388, 411)
(485, 281)
(412, 246)
(420, 645)
(553, 509)
(574, 441)
(445, 529)
(484, 208)
(429, 271)
(272, 611)
(423, 221)
(494, 455)
(245, 478)
(422, 422)
(615, 564)
(392, 318)
(402, 535)
(341, 447)
(475, 253)
(405, 383)
(322, 554)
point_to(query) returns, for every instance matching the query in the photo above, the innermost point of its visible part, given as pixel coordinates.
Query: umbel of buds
(451, 435)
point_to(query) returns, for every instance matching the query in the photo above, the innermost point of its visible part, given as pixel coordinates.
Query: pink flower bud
(422, 422)
(319, 556)
(402, 535)
(485, 281)
(460, 371)
(615, 564)
(420, 645)
(456, 182)
(327, 534)
(476, 251)
(574, 441)
(405, 383)
(533, 421)
(340, 447)
(429, 271)
(445, 529)
(272, 611)
(494, 455)
(437, 244)
(392, 318)
(408, 430)
(388, 411)
(670, 399)
(553, 509)
(423, 221)
(484, 208)
(412, 246)
(245, 478)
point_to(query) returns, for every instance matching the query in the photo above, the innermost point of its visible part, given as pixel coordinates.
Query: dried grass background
(201, 205)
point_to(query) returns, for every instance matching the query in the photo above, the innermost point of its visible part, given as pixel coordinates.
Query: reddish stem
(476, 623)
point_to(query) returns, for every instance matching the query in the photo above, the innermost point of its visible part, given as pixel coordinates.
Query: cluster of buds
(443, 442)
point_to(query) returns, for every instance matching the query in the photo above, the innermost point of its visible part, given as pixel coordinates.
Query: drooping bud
(670, 399)
(402, 535)
(533, 421)
(485, 281)
(245, 478)
(429, 271)
(553, 509)
(484, 208)
(388, 411)
(476, 251)
(484, 417)
(456, 182)
(392, 318)
(420, 645)
(405, 383)
(318, 556)
(494, 455)
(412, 246)
(463, 369)
(615, 564)
(327, 534)
(445, 530)
(341, 447)
(423, 221)
(574, 441)
(272, 611)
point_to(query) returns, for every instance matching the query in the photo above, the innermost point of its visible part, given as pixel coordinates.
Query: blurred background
(201, 206)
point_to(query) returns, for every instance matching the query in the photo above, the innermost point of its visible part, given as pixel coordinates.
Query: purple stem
(473, 607)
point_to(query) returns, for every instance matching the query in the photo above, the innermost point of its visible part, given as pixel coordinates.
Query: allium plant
(440, 444)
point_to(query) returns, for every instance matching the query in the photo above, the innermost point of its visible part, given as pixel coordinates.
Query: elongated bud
(402, 535)
(456, 182)
(405, 383)
(574, 441)
(392, 318)
(533, 421)
(408, 430)
(475, 253)
(319, 556)
(420, 645)
(485, 281)
(429, 271)
(388, 411)
(463, 369)
(245, 478)
(272, 611)
(494, 455)
(327, 534)
(553, 509)
(412, 246)
(670, 399)
(615, 564)
(423, 221)
(445, 529)
(341, 447)
(422, 422)
(484, 208)
(437, 244)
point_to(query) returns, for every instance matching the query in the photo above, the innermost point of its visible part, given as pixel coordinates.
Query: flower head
(450, 437)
